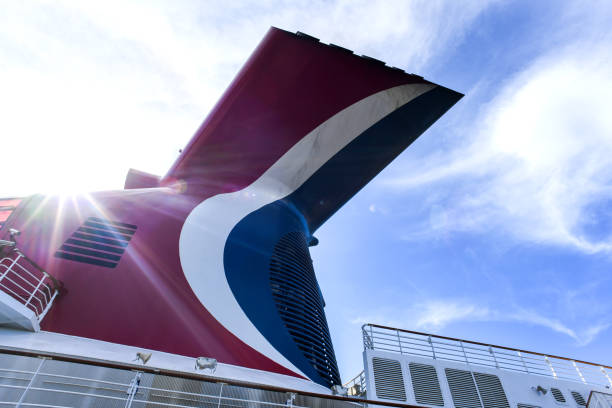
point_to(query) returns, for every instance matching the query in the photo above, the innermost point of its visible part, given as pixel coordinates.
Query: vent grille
(98, 242)
(425, 384)
(558, 395)
(520, 405)
(388, 379)
(491, 391)
(578, 398)
(462, 388)
(300, 304)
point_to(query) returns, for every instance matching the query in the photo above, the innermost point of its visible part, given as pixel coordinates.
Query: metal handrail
(471, 352)
(25, 281)
(357, 385)
(140, 369)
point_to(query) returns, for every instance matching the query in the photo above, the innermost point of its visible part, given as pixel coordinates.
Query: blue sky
(494, 226)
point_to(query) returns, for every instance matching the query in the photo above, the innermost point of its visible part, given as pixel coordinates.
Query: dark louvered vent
(300, 304)
(98, 242)
(388, 379)
(491, 391)
(520, 405)
(578, 398)
(425, 384)
(558, 395)
(462, 388)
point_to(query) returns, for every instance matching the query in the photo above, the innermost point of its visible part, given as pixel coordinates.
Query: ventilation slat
(462, 388)
(299, 303)
(103, 245)
(491, 391)
(388, 379)
(425, 384)
(578, 398)
(558, 395)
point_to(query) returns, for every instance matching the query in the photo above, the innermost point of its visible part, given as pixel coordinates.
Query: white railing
(356, 386)
(26, 282)
(426, 345)
(51, 382)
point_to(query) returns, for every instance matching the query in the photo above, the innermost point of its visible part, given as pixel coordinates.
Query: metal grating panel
(521, 405)
(558, 395)
(462, 388)
(425, 384)
(299, 302)
(388, 379)
(578, 398)
(491, 391)
(98, 242)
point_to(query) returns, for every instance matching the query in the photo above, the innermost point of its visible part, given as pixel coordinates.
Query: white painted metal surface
(473, 375)
(66, 345)
(472, 353)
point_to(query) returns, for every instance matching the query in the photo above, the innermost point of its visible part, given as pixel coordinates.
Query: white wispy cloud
(540, 162)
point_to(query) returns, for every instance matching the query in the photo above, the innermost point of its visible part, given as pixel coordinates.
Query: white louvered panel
(425, 384)
(558, 395)
(491, 391)
(578, 398)
(462, 388)
(388, 379)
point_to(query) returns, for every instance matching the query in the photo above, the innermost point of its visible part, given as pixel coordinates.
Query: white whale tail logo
(205, 232)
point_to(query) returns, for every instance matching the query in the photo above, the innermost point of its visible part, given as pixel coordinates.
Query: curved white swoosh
(203, 237)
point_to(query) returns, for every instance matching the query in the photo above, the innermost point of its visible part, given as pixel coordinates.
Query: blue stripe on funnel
(250, 245)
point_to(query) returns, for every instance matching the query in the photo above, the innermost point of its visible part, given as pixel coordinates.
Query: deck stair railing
(25, 281)
(426, 345)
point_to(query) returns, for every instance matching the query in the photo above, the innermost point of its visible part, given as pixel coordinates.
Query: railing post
(362, 383)
(606, 375)
(42, 360)
(578, 371)
(289, 402)
(372, 337)
(364, 335)
(550, 366)
(40, 282)
(464, 353)
(368, 342)
(523, 361)
(133, 389)
(49, 303)
(433, 350)
(220, 395)
(493, 355)
(399, 341)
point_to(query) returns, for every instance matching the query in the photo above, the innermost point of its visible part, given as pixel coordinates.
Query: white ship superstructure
(436, 371)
